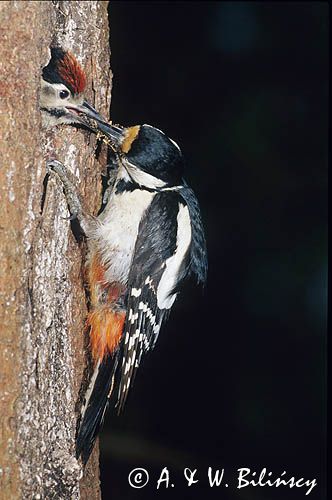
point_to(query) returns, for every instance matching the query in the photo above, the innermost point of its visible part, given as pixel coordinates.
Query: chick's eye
(63, 94)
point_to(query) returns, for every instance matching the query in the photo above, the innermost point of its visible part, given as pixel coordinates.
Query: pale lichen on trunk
(43, 303)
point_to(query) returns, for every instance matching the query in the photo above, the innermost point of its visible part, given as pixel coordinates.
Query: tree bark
(43, 351)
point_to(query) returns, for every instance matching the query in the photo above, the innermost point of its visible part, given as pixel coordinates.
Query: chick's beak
(89, 117)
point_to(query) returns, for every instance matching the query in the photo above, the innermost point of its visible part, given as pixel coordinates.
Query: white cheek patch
(173, 263)
(49, 96)
(143, 178)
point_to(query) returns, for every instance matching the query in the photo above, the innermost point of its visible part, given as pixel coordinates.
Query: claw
(53, 163)
(71, 217)
(49, 168)
(55, 166)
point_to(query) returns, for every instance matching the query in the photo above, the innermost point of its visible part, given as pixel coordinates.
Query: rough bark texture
(42, 298)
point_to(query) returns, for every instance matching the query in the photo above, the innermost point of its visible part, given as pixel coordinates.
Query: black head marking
(153, 152)
(50, 72)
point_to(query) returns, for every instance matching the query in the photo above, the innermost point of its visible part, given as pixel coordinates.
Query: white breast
(116, 233)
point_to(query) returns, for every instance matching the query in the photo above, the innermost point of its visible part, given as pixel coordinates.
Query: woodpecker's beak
(89, 117)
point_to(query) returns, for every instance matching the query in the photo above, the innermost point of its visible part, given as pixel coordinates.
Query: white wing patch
(173, 263)
(150, 316)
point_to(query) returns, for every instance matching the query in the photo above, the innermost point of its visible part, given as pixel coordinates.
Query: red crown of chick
(64, 68)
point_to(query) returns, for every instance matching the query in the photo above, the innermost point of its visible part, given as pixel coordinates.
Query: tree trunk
(43, 348)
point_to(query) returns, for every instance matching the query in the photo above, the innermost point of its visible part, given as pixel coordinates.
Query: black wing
(93, 412)
(156, 242)
(198, 252)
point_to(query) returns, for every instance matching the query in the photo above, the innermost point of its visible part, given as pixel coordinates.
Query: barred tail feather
(97, 399)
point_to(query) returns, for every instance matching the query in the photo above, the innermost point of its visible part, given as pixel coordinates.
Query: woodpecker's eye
(63, 94)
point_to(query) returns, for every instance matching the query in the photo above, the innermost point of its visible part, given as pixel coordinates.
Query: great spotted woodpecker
(146, 241)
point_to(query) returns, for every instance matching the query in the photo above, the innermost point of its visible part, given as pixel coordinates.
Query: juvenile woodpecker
(146, 241)
(61, 94)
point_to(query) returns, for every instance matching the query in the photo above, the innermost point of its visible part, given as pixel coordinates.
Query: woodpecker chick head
(61, 98)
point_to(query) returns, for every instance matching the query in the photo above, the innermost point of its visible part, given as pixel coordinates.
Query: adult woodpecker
(146, 241)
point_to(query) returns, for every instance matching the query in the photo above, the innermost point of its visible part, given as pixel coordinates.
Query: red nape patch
(72, 72)
(106, 327)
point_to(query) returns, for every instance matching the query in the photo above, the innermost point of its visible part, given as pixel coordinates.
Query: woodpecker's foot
(74, 203)
(73, 200)
(111, 178)
(112, 175)
(107, 195)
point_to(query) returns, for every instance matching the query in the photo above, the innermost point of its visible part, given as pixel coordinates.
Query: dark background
(238, 375)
